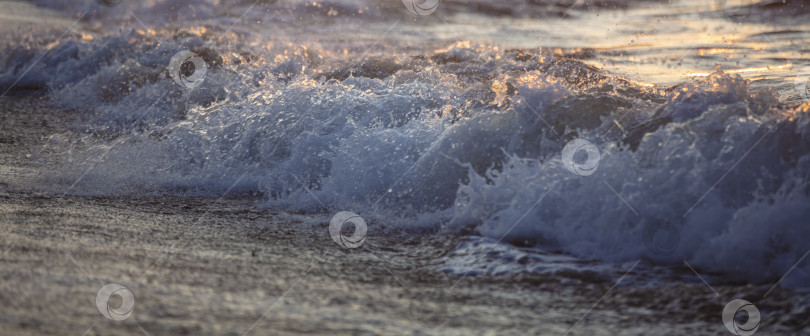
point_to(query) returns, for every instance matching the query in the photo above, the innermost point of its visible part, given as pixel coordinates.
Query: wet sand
(204, 266)
(208, 266)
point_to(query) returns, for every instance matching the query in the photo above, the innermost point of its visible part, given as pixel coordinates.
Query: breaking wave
(466, 137)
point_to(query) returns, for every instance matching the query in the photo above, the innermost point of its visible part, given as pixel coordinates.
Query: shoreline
(216, 267)
(207, 265)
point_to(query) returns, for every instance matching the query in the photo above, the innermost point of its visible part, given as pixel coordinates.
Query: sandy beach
(208, 266)
(555, 168)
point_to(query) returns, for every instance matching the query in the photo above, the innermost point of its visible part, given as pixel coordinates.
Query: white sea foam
(466, 137)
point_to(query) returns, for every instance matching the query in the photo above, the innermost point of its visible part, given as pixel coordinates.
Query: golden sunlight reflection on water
(656, 43)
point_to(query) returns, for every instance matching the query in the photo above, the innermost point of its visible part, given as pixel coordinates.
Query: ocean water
(451, 121)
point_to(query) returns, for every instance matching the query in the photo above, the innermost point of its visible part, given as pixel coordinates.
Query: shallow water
(449, 123)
